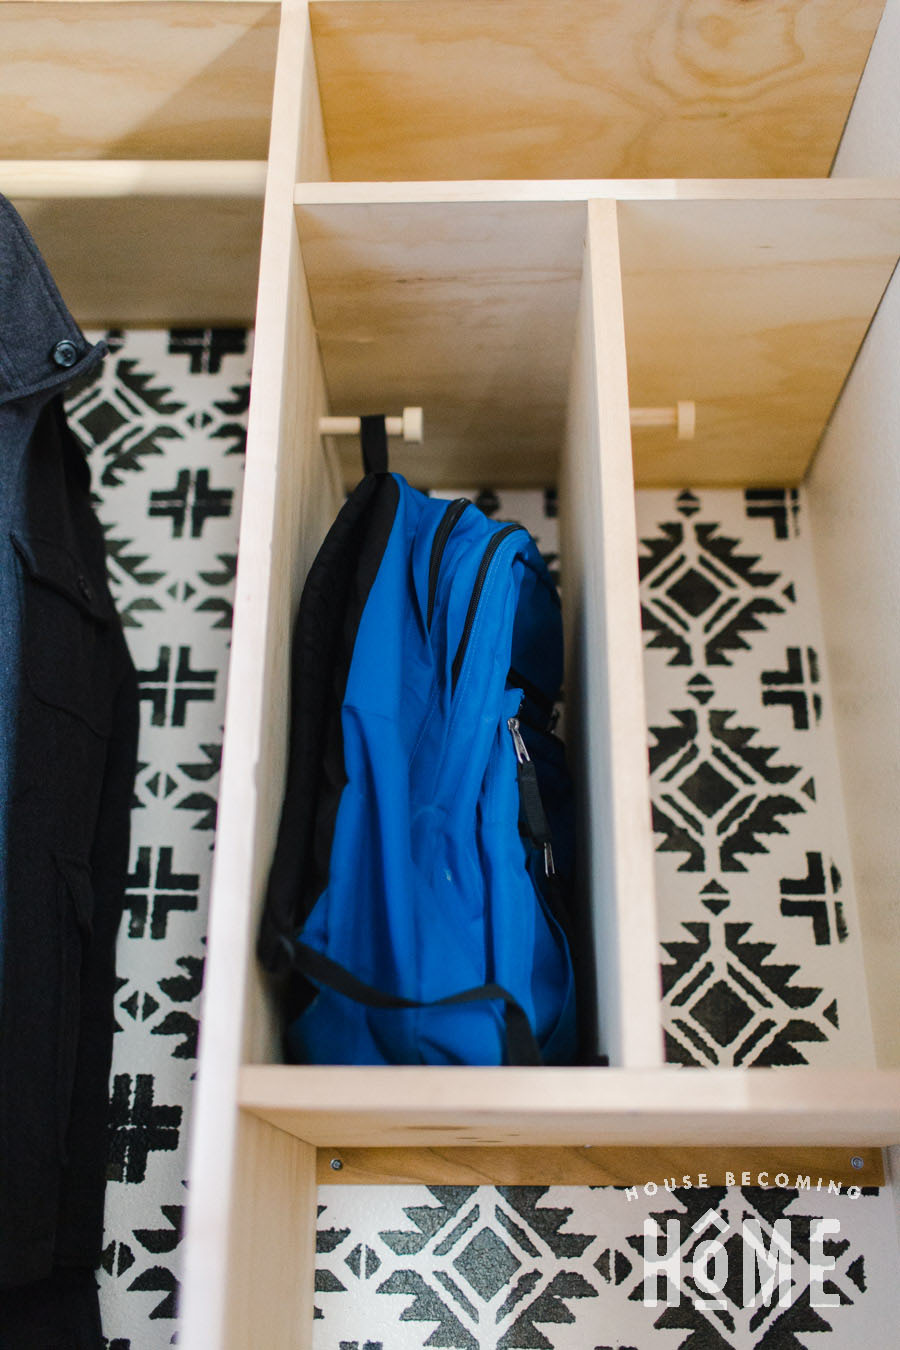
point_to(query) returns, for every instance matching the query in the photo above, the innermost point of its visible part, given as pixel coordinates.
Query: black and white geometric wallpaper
(760, 953)
(164, 419)
(562, 1268)
(762, 963)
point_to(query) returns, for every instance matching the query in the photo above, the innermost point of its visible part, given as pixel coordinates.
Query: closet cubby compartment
(128, 241)
(133, 140)
(525, 317)
(524, 327)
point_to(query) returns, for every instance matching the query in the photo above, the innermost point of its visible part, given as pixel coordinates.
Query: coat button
(85, 589)
(65, 353)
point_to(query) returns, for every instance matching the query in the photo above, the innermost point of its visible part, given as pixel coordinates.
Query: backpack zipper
(530, 797)
(494, 543)
(441, 535)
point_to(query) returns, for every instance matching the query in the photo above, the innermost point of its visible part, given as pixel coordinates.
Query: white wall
(870, 147)
(854, 490)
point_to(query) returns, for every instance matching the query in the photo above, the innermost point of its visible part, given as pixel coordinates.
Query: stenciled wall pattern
(164, 420)
(762, 961)
(760, 954)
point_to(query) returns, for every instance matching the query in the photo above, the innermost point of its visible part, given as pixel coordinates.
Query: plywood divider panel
(854, 497)
(608, 723)
(526, 89)
(131, 80)
(447, 1107)
(289, 495)
(273, 1242)
(588, 1166)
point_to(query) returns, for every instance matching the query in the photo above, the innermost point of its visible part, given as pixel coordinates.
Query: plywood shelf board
(755, 309)
(133, 80)
(592, 1166)
(440, 1107)
(587, 189)
(42, 179)
(525, 89)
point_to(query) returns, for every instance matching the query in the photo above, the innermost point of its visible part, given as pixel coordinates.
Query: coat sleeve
(81, 1200)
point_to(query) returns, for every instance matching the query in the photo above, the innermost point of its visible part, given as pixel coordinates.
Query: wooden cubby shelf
(465, 211)
(133, 141)
(523, 216)
(749, 298)
(436, 1107)
(122, 237)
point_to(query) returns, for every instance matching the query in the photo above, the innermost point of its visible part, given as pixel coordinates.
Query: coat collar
(42, 349)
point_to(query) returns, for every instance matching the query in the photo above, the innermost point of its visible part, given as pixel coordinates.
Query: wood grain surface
(426, 1107)
(525, 89)
(468, 307)
(131, 80)
(595, 1166)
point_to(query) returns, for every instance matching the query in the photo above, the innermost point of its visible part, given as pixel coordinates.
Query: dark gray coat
(68, 733)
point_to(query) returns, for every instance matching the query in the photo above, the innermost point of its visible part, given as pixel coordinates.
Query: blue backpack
(415, 898)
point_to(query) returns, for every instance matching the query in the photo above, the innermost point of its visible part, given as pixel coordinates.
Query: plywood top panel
(753, 308)
(136, 80)
(467, 310)
(756, 311)
(587, 88)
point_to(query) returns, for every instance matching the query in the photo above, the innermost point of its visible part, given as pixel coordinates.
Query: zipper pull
(532, 818)
(522, 754)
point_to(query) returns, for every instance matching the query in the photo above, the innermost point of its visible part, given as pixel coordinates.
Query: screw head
(857, 1162)
(336, 1164)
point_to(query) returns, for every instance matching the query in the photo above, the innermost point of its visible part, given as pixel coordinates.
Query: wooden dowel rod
(683, 416)
(409, 425)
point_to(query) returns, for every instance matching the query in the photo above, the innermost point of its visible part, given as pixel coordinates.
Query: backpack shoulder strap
(333, 598)
(373, 443)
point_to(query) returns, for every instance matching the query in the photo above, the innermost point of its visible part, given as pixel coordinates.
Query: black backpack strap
(330, 608)
(373, 442)
(521, 1046)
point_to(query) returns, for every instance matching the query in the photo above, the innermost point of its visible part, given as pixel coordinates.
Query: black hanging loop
(373, 443)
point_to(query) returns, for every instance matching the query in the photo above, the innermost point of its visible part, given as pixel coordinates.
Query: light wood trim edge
(588, 189)
(273, 1243)
(42, 179)
(214, 1162)
(597, 1166)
